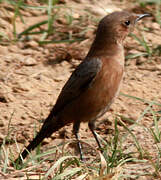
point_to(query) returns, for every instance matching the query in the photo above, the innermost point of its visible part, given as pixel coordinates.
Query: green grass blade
(135, 140)
(60, 41)
(148, 108)
(156, 133)
(27, 31)
(6, 160)
(140, 99)
(142, 43)
(115, 143)
(132, 56)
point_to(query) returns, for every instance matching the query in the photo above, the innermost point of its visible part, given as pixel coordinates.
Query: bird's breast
(108, 81)
(104, 89)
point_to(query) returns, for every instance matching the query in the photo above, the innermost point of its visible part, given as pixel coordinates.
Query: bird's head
(117, 25)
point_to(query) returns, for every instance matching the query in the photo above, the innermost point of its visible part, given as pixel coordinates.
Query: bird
(94, 84)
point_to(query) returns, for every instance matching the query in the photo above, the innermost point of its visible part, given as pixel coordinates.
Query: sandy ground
(31, 78)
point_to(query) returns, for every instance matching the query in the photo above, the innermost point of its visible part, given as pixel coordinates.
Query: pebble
(2, 136)
(33, 44)
(1, 124)
(29, 61)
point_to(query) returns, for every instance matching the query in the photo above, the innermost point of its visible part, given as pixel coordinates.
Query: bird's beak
(141, 16)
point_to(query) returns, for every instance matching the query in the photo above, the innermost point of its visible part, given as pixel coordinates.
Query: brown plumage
(94, 84)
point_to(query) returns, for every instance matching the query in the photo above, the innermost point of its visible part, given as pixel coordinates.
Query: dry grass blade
(103, 164)
(57, 164)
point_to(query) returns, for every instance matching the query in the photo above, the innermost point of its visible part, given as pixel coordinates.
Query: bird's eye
(127, 23)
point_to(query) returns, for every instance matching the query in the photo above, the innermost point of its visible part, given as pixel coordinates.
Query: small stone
(158, 67)
(155, 25)
(29, 61)
(11, 98)
(33, 44)
(3, 98)
(2, 136)
(1, 123)
(76, 15)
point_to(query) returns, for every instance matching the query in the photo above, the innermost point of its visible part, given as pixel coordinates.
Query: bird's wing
(80, 80)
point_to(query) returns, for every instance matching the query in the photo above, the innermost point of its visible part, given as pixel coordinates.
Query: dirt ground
(31, 78)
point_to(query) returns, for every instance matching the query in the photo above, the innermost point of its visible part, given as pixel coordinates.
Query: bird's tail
(51, 125)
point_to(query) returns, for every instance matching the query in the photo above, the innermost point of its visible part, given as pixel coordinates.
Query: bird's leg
(76, 126)
(91, 126)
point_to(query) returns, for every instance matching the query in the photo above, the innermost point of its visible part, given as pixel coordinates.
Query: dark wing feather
(79, 81)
